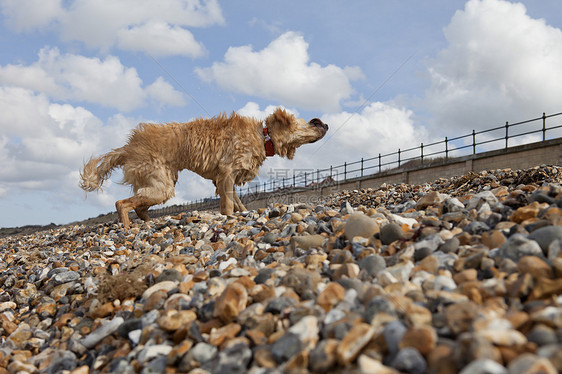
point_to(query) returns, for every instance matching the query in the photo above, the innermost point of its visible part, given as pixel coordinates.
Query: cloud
(282, 72)
(158, 27)
(500, 65)
(78, 78)
(252, 109)
(26, 15)
(162, 40)
(43, 144)
(163, 92)
(378, 128)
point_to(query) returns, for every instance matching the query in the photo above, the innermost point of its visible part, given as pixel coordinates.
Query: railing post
(446, 149)
(506, 133)
(345, 171)
(380, 163)
(361, 166)
(294, 179)
(398, 157)
(473, 142)
(305, 179)
(543, 127)
(421, 147)
(318, 176)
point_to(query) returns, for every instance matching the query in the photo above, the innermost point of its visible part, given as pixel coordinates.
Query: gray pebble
(390, 233)
(450, 245)
(409, 360)
(65, 277)
(100, 333)
(518, 246)
(286, 347)
(546, 235)
(393, 333)
(372, 264)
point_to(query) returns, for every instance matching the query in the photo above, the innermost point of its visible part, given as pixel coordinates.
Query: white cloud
(160, 39)
(26, 15)
(44, 144)
(500, 65)
(282, 72)
(378, 128)
(252, 109)
(163, 92)
(156, 26)
(78, 78)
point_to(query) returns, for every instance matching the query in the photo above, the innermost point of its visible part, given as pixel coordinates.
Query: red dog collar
(269, 148)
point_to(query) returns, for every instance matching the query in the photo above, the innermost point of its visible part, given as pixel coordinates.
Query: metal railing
(424, 154)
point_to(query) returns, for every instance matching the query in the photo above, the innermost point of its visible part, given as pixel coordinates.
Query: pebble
(463, 274)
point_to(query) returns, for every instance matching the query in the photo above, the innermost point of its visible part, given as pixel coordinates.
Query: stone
(484, 197)
(518, 246)
(169, 275)
(165, 286)
(307, 241)
(368, 365)
(231, 302)
(528, 363)
(372, 264)
(542, 335)
(450, 245)
(429, 199)
(220, 335)
(306, 330)
(350, 346)
(526, 212)
(173, 320)
(535, 266)
(330, 296)
(390, 233)
(409, 360)
(65, 277)
(423, 339)
(493, 239)
(452, 204)
(483, 366)
(459, 316)
(358, 224)
(286, 347)
(100, 333)
(544, 236)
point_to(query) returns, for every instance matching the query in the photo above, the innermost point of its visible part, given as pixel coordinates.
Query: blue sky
(77, 76)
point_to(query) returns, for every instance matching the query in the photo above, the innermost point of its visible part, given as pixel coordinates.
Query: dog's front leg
(225, 189)
(238, 206)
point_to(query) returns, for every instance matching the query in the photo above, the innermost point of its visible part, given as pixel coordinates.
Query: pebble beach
(460, 275)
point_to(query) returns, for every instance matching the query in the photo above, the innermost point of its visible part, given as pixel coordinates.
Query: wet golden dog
(226, 150)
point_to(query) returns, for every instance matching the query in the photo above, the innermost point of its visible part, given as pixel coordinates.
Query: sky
(77, 76)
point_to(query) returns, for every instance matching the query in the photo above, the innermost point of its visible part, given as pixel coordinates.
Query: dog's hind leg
(145, 197)
(125, 206)
(142, 213)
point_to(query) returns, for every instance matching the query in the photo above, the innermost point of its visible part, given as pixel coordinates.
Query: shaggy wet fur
(226, 150)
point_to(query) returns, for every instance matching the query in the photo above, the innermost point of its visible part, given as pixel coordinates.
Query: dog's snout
(317, 122)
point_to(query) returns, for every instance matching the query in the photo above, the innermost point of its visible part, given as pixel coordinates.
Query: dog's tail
(97, 170)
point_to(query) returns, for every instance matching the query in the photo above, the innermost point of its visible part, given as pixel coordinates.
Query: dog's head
(288, 133)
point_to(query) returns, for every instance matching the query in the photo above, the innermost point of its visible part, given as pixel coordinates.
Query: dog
(226, 150)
